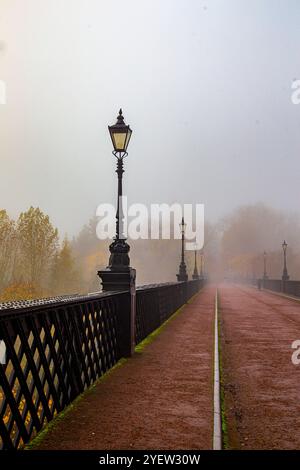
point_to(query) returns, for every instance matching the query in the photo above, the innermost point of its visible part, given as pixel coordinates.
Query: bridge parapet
(279, 285)
(56, 348)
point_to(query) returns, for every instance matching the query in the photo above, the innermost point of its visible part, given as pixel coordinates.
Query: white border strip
(217, 435)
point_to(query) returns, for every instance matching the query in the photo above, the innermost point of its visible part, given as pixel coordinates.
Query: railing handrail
(26, 306)
(164, 284)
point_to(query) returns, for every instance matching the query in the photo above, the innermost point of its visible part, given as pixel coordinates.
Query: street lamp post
(201, 265)
(182, 275)
(195, 273)
(118, 275)
(265, 276)
(285, 276)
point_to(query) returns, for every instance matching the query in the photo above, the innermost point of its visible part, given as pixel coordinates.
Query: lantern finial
(120, 118)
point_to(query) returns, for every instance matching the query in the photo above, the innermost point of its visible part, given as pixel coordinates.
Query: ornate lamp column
(182, 275)
(118, 274)
(201, 265)
(195, 273)
(285, 276)
(265, 276)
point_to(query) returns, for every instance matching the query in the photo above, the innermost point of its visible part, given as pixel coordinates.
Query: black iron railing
(292, 288)
(271, 284)
(278, 285)
(155, 304)
(57, 348)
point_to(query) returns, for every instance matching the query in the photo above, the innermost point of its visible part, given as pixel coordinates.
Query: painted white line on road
(217, 435)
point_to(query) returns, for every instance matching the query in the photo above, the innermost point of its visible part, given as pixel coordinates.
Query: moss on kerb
(35, 442)
(141, 346)
(225, 439)
(212, 377)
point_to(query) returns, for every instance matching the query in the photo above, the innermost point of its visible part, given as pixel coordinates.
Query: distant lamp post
(285, 276)
(201, 265)
(265, 276)
(182, 275)
(118, 274)
(195, 273)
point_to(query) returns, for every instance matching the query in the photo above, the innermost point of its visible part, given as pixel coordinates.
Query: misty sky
(205, 86)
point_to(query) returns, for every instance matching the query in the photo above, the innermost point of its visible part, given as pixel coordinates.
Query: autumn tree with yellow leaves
(37, 246)
(32, 264)
(65, 276)
(7, 248)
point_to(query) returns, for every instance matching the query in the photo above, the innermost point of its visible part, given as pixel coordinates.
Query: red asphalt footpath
(261, 384)
(161, 398)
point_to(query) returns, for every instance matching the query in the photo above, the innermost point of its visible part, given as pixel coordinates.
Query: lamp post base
(118, 274)
(116, 280)
(119, 258)
(182, 276)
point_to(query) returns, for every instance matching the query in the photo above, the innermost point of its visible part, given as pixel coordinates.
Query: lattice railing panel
(53, 354)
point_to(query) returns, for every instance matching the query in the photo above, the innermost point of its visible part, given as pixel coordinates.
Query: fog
(204, 85)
